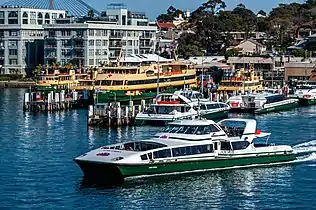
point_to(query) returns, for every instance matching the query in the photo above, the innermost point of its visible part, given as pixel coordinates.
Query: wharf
(113, 114)
(52, 101)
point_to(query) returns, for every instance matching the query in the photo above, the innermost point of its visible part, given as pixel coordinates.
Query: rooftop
(73, 7)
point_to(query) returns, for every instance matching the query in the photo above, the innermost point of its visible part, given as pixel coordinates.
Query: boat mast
(158, 77)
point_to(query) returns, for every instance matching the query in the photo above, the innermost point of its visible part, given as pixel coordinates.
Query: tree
(299, 53)
(263, 13)
(231, 53)
(91, 13)
(103, 14)
(36, 73)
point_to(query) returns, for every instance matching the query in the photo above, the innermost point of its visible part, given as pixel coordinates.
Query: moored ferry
(306, 94)
(183, 104)
(129, 82)
(273, 102)
(241, 81)
(60, 80)
(185, 146)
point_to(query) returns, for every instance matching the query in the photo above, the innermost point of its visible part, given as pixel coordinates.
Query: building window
(13, 43)
(98, 61)
(13, 52)
(130, 43)
(91, 32)
(98, 52)
(98, 42)
(91, 52)
(13, 33)
(105, 43)
(13, 61)
(105, 52)
(61, 16)
(104, 32)
(2, 15)
(91, 42)
(98, 32)
(91, 62)
(13, 14)
(65, 32)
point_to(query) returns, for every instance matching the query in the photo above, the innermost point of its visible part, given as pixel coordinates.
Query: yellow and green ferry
(185, 146)
(124, 83)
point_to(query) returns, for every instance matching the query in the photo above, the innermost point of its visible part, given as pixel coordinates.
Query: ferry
(125, 83)
(242, 103)
(181, 105)
(167, 108)
(261, 103)
(306, 94)
(185, 146)
(58, 80)
(241, 81)
(273, 102)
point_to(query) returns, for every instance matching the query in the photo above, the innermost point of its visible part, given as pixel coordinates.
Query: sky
(155, 7)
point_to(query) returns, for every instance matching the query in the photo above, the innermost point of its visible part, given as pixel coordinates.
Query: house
(250, 46)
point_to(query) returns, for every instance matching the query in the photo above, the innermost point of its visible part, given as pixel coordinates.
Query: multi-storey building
(92, 41)
(21, 37)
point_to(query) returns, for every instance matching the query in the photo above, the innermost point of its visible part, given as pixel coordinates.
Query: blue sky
(156, 7)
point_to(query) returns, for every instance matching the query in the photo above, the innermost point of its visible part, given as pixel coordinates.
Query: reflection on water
(37, 169)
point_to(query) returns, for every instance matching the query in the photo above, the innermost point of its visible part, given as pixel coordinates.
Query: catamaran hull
(242, 110)
(282, 107)
(99, 171)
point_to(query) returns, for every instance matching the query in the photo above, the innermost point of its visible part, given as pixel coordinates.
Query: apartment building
(93, 41)
(21, 37)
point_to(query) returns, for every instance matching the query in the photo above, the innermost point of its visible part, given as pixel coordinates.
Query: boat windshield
(233, 128)
(192, 130)
(305, 87)
(137, 146)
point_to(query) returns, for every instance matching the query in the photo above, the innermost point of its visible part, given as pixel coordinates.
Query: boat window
(223, 105)
(144, 157)
(162, 154)
(150, 156)
(239, 145)
(192, 150)
(215, 146)
(200, 130)
(105, 82)
(142, 146)
(212, 106)
(191, 130)
(225, 145)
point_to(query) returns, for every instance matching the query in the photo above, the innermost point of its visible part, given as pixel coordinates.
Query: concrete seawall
(16, 84)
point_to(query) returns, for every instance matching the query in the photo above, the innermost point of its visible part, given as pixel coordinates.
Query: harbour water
(37, 169)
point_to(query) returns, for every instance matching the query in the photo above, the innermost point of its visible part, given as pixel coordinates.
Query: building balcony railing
(147, 36)
(116, 36)
(78, 46)
(115, 46)
(145, 45)
(50, 37)
(77, 37)
(50, 46)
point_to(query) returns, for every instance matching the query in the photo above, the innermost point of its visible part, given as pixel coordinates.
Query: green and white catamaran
(185, 146)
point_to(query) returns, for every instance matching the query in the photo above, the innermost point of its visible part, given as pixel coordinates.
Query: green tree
(263, 13)
(299, 53)
(91, 13)
(36, 73)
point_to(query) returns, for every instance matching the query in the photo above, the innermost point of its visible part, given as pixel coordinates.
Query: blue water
(37, 170)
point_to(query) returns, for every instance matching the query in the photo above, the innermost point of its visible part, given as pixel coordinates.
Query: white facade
(21, 37)
(93, 43)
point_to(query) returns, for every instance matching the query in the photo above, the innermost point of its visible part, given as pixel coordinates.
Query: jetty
(50, 101)
(114, 114)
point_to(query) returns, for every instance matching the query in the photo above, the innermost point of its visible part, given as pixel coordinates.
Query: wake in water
(306, 151)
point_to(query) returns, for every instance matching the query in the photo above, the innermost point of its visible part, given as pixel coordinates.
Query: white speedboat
(185, 146)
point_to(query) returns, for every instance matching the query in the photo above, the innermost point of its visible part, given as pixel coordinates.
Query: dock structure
(113, 114)
(51, 101)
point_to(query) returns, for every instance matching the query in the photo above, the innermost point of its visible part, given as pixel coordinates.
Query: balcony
(77, 37)
(116, 35)
(49, 37)
(50, 46)
(116, 46)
